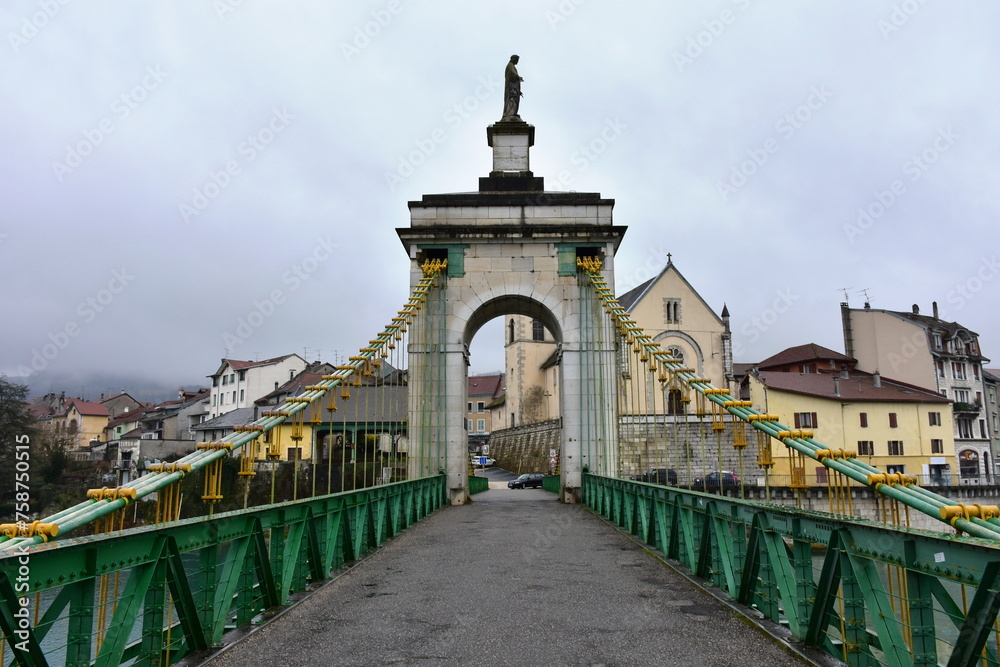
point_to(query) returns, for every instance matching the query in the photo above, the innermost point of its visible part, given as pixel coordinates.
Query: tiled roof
(86, 408)
(237, 417)
(857, 386)
(628, 299)
(238, 365)
(800, 353)
(931, 322)
(293, 387)
(126, 417)
(486, 385)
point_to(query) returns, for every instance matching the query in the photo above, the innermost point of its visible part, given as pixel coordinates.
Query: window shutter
(815, 421)
(798, 420)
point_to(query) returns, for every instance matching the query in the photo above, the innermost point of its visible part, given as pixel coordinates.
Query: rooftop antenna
(868, 301)
(844, 290)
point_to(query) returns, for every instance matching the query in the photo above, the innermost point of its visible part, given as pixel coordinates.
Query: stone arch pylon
(511, 248)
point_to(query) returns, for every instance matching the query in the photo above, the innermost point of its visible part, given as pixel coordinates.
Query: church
(666, 306)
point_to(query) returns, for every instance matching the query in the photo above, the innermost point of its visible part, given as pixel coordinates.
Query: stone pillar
(510, 143)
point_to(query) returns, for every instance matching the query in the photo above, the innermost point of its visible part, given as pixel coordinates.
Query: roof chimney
(934, 306)
(916, 309)
(876, 380)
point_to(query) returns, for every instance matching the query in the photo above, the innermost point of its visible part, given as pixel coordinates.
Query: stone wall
(526, 448)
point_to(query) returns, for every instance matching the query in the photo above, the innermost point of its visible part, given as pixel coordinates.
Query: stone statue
(511, 92)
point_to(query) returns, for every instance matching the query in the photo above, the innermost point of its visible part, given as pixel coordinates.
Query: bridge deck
(514, 578)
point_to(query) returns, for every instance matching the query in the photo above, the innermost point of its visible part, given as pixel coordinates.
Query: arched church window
(676, 352)
(537, 331)
(510, 331)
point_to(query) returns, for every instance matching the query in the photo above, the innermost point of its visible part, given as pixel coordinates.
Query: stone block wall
(685, 443)
(526, 448)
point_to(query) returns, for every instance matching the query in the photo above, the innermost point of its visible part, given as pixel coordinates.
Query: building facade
(891, 425)
(486, 401)
(530, 354)
(926, 351)
(237, 384)
(676, 316)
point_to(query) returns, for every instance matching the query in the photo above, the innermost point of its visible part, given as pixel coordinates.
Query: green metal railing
(551, 483)
(867, 593)
(156, 594)
(106, 502)
(478, 484)
(977, 520)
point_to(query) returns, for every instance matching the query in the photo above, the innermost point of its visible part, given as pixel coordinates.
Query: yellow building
(81, 420)
(531, 355)
(893, 426)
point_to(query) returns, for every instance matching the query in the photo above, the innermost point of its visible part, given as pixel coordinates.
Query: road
(513, 578)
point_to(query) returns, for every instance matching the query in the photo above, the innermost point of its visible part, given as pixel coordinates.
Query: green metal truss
(89, 511)
(167, 591)
(865, 592)
(974, 519)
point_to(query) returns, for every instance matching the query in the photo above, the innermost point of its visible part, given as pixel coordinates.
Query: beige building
(83, 421)
(531, 356)
(927, 351)
(485, 404)
(672, 312)
(892, 425)
(668, 309)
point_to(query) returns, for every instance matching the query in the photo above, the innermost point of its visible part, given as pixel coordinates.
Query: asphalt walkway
(515, 578)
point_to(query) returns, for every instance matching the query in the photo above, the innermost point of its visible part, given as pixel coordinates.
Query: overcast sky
(169, 169)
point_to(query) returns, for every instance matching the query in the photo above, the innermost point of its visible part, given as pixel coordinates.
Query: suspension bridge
(78, 588)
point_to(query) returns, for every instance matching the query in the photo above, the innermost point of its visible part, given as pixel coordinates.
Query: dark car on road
(527, 481)
(714, 480)
(661, 476)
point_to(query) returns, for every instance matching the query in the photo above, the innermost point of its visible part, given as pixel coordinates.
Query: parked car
(527, 481)
(661, 476)
(714, 480)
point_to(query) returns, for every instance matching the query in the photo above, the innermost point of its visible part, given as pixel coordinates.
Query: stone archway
(511, 248)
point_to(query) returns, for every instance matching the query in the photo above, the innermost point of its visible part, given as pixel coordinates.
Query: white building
(237, 384)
